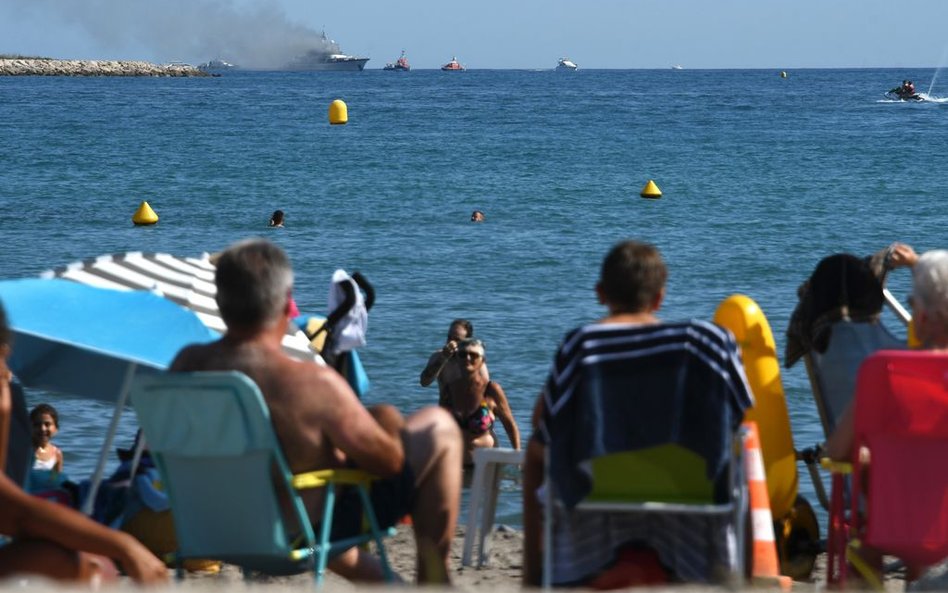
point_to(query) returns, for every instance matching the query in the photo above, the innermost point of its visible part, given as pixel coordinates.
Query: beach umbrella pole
(89, 503)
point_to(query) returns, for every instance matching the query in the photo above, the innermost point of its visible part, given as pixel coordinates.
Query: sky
(779, 34)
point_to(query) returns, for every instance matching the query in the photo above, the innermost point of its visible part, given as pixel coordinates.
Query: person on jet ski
(899, 89)
(905, 91)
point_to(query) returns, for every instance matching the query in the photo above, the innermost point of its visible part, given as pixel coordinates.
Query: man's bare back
(318, 419)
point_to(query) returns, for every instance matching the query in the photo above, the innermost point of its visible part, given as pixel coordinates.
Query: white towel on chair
(349, 333)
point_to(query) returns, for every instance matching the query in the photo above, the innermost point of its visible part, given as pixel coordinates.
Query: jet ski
(899, 94)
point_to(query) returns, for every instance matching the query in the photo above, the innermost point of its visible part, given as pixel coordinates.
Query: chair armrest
(836, 467)
(319, 478)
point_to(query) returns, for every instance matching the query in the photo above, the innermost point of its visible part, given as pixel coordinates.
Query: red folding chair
(899, 495)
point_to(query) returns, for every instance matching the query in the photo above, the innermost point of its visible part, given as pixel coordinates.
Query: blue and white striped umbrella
(188, 282)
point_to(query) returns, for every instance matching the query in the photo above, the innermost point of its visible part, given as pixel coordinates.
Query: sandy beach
(500, 575)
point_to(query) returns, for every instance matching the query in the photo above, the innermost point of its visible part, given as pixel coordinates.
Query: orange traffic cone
(765, 566)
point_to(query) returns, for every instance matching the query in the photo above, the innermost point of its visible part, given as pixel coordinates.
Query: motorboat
(400, 65)
(677, 67)
(326, 58)
(216, 65)
(566, 64)
(453, 66)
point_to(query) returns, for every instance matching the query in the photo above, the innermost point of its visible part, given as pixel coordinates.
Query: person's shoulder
(303, 385)
(281, 364)
(189, 358)
(712, 330)
(703, 336)
(699, 327)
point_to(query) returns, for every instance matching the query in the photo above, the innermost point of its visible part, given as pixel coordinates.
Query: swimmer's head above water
(276, 219)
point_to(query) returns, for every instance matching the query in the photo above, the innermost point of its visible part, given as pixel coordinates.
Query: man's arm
(431, 371)
(374, 445)
(437, 362)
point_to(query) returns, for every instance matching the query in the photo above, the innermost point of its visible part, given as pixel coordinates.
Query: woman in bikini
(476, 402)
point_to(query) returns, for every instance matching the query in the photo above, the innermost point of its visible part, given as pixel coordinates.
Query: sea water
(761, 177)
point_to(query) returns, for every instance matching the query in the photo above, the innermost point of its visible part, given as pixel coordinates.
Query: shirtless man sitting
(321, 423)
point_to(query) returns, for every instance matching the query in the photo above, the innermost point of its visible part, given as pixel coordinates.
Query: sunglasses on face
(472, 355)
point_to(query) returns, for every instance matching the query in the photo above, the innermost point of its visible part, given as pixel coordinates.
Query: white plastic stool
(484, 488)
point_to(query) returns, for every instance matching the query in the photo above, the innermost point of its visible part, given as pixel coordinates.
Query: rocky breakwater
(48, 67)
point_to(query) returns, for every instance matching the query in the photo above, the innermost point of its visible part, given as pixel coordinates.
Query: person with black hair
(276, 219)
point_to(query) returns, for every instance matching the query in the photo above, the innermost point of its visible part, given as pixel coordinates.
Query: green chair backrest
(665, 473)
(211, 437)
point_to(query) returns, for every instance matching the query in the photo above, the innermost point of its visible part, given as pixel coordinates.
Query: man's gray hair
(472, 344)
(254, 280)
(930, 284)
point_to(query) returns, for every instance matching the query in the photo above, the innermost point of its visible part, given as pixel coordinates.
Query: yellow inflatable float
(795, 523)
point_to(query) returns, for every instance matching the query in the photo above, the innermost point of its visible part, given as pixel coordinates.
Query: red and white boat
(400, 65)
(453, 66)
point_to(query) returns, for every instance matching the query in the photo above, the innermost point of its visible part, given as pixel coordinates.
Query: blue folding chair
(210, 435)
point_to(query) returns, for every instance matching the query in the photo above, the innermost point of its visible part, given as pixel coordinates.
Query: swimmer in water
(276, 220)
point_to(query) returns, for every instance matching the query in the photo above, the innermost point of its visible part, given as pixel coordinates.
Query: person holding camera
(443, 365)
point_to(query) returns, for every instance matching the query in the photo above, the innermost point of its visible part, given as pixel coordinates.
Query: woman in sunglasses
(476, 402)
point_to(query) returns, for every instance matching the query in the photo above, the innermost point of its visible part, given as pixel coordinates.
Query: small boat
(400, 65)
(216, 65)
(453, 66)
(677, 67)
(566, 64)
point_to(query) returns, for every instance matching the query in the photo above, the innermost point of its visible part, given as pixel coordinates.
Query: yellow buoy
(338, 112)
(144, 215)
(783, 74)
(651, 191)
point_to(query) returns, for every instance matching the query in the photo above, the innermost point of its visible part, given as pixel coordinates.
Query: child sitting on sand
(47, 479)
(45, 422)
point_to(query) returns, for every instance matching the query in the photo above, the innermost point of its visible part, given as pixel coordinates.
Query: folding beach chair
(666, 482)
(210, 435)
(643, 450)
(899, 486)
(833, 373)
(835, 326)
